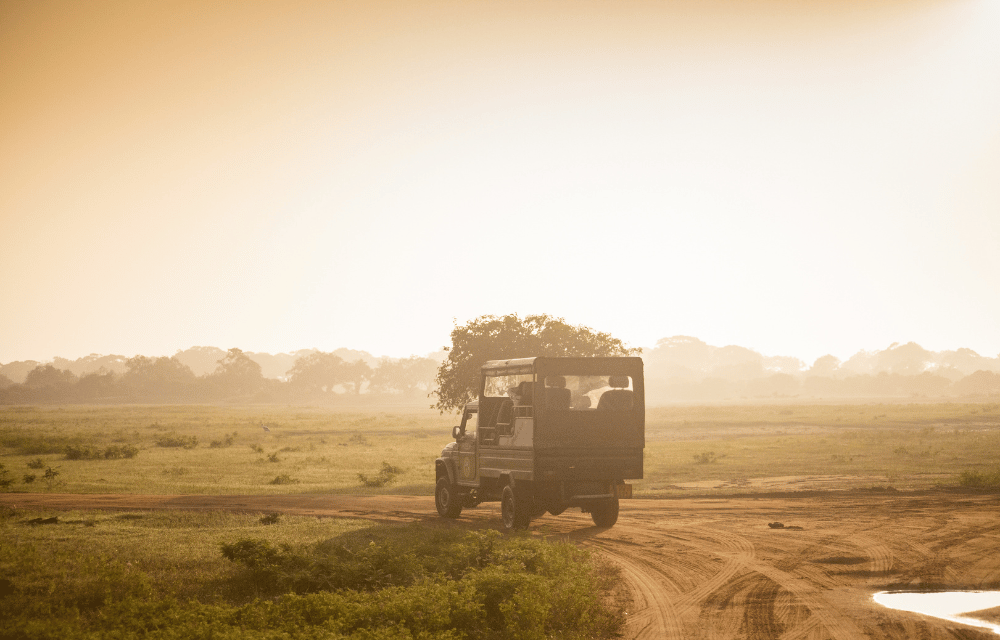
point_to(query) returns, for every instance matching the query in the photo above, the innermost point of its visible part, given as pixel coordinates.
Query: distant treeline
(313, 376)
(678, 369)
(685, 369)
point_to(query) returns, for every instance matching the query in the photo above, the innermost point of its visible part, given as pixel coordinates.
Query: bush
(980, 480)
(418, 581)
(87, 452)
(82, 452)
(225, 442)
(116, 451)
(284, 478)
(375, 583)
(176, 440)
(386, 475)
(37, 463)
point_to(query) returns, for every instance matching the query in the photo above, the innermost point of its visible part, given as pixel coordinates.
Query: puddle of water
(947, 605)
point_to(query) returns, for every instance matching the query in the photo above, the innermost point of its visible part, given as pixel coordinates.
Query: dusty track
(712, 568)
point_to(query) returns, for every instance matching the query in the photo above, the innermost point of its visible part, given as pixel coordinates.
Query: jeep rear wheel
(514, 510)
(605, 513)
(446, 499)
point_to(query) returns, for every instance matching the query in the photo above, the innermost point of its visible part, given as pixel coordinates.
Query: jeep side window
(594, 392)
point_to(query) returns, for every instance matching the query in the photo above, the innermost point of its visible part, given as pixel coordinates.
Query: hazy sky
(799, 178)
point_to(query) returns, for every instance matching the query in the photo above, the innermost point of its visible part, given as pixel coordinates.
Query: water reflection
(948, 605)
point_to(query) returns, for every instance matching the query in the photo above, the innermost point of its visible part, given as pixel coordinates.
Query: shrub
(225, 442)
(117, 451)
(980, 480)
(37, 463)
(87, 452)
(176, 440)
(50, 476)
(82, 452)
(5, 482)
(29, 478)
(284, 478)
(416, 581)
(706, 457)
(386, 475)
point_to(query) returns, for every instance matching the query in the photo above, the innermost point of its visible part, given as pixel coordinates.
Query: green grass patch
(980, 479)
(199, 575)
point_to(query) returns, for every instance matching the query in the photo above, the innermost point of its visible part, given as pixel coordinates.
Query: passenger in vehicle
(619, 397)
(522, 394)
(557, 396)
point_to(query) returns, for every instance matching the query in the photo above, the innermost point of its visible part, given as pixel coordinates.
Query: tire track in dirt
(759, 617)
(739, 551)
(654, 617)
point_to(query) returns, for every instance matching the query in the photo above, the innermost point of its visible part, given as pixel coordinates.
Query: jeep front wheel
(513, 510)
(446, 499)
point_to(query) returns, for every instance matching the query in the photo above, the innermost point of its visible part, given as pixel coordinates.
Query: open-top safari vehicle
(547, 434)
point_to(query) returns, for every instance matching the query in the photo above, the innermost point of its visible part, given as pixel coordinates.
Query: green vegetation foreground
(222, 575)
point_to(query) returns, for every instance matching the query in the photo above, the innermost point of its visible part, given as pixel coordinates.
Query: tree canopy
(320, 371)
(237, 373)
(503, 337)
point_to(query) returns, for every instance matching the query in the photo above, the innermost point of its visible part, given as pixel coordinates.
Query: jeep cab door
(466, 469)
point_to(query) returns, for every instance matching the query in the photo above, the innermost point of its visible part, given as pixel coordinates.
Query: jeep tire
(515, 510)
(446, 499)
(605, 512)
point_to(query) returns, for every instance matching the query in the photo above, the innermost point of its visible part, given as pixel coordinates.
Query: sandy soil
(712, 567)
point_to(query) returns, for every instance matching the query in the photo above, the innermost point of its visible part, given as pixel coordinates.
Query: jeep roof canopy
(557, 365)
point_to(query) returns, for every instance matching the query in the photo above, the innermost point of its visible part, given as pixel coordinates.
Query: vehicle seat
(505, 418)
(557, 396)
(618, 398)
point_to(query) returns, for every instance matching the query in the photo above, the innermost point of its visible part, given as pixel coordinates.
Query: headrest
(558, 382)
(618, 382)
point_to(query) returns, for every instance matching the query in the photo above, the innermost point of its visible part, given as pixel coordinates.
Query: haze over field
(796, 178)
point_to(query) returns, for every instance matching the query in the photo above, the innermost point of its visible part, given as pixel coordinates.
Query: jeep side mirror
(457, 432)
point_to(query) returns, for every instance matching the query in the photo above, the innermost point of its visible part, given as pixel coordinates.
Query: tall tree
(158, 377)
(238, 374)
(322, 371)
(47, 376)
(317, 371)
(408, 376)
(501, 337)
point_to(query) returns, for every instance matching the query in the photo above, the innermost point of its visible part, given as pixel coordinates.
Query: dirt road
(713, 567)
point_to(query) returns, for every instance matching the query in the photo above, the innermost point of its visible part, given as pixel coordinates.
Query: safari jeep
(547, 434)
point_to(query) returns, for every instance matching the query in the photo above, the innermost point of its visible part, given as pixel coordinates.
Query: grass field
(207, 449)
(225, 575)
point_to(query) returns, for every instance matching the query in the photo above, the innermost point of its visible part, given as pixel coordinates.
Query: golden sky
(799, 178)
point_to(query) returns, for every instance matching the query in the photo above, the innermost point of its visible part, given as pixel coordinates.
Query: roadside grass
(335, 450)
(907, 446)
(181, 574)
(203, 449)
